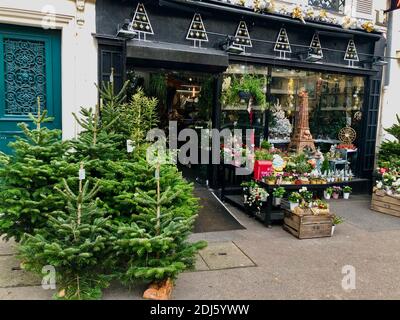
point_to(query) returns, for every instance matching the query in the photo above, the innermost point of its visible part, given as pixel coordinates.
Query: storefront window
(334, 102)
(244, 98)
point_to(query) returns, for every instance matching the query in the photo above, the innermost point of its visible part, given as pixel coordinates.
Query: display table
(269, 210)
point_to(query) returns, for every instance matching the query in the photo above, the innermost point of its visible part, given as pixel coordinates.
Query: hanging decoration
(349, 23)
(282, 44)
(197, 32)
(351, 54)
(368, 26)
(242, 36)
(263, 5)
(315, 47)
(141, 23)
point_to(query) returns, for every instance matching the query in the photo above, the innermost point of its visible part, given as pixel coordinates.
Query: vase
(346, 195)
(335, 195)
(293, 205)
(277, 201)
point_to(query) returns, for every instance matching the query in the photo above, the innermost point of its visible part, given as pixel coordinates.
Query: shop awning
(169, 55)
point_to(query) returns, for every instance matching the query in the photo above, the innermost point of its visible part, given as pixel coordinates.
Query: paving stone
(200, 264)
(7, 248)
(223, 255)
(17, 277)
(26, 293)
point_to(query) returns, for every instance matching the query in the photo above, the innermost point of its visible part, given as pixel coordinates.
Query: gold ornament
(297, 13)
(368, 26)
(347, 135)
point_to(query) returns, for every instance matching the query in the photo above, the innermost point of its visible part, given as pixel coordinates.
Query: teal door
(30, 67)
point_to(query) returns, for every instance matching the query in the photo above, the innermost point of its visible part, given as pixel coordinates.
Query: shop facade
(191, 54)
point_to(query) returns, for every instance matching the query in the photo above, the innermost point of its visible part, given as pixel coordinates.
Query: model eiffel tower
(302, 138)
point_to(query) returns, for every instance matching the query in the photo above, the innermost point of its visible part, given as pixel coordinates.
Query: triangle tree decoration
(242, 36)
(197, 32)
(315, 46)
(140, 22)
(351, 54)
(282, 44)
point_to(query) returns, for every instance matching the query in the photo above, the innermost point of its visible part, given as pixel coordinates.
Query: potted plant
(328, 193)
(278, 194)
(294, 200)
(256, 197)
(336, 192)
(336, 220)
(307, 196)
(346, 192)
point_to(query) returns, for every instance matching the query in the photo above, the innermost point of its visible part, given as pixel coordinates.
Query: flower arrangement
(297, 13)
(256, 196)
(336, 192)
(295, 197)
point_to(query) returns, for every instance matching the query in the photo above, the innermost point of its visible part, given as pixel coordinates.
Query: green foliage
(28, 177)
(76, 242)
(279, 192)
(337, 220)
(263, 154)
(325, 167)
(265, 145)
(390, 150)
(247, 83)
(155, 246)
(347, 189)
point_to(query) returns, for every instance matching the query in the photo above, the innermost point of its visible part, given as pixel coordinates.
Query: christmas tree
(76, 242)
(315, 46)
(281, 127)
(351, 54)
(197, 32)
(242, 36)
(389, 153)
(282, 44)
(28, 176)
(140, 22)
(166, 211)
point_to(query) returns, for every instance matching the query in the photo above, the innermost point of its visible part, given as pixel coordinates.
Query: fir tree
(390, 150)
(155, 245)
(28, 176)
(75, 242)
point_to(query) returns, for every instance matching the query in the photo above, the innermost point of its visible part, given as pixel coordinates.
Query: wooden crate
(384, 203)
(308, 226)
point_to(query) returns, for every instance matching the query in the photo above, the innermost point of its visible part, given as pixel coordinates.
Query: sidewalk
(261, 263)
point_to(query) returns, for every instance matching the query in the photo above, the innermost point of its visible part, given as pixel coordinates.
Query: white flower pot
(346, 195)
(277, 201)
(332, 230)
(264, 198)
(293, 205)
(327, 196)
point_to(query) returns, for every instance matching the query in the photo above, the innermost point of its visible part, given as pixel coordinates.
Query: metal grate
(364, 6)
(333, 5)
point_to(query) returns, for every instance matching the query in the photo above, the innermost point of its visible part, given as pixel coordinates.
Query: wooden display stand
(384, 203)
(308, 226)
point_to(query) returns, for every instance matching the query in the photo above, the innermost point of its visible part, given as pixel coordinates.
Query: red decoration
(262, 168)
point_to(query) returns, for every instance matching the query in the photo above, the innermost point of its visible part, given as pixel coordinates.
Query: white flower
(379, 184)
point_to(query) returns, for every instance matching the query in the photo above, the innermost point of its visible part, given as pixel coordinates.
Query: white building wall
(391, 98)
(77, 21)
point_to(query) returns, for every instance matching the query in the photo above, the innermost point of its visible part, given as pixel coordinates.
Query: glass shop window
(243, 98)
(334, 101)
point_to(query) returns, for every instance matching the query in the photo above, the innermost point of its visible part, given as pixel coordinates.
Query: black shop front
(192, 54)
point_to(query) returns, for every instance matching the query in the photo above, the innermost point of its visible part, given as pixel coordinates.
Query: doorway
(187, 98)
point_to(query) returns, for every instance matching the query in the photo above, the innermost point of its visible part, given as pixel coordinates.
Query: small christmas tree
(141, 23)
(197, 32)
(166, 214)
(389, 153)
(281, 127)
(315, 46)
(242, 36)
(351, 54)
(28, 176)
(282, 44)
(75, 242)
